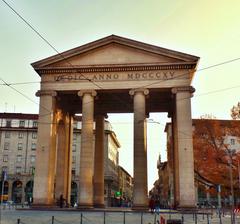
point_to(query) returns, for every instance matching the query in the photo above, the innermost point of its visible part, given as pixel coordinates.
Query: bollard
(141, 217)
(195, 218)
(18, 221)
(208, 222)
(81, 218)
(52, 219)
(124, 218)
(220, 217)
(182, 218)
(104, 217)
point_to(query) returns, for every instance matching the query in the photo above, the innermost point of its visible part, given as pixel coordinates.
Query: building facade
(18, 137)
(216, 145)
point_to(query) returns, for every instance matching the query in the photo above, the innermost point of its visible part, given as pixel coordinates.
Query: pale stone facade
(114, 75)
(18, 138)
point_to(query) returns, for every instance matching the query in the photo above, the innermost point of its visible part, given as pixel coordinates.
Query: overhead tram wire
(60, 54)
(48, 43)
(186, 73)
(18, 83)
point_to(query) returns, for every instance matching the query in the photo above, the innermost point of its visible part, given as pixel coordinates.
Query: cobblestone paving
(11, 216)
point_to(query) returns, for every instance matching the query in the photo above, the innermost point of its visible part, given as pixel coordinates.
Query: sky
(208, 29)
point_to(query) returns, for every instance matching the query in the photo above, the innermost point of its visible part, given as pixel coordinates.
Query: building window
(32, 158)
(20, 134)
(74, 148)
(19, 158)
(73, 159)
(8, 123)
(5, 158)
(232, 140)
(74, 136)
(34, 135)
(35, 124)
(18, 169)
(21, 123)
(33, 146)
(6, 145)
(5, 169)
(32, 170)
(20, 146)
(7, 134)
(73, 172)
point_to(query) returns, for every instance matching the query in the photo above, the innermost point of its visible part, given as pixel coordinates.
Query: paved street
(11, 216)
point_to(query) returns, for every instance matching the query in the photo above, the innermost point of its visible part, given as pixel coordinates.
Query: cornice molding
(46, 93)
(113, 68)
(189, 89)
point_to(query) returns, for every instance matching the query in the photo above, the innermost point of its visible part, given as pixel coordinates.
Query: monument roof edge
(113, 39)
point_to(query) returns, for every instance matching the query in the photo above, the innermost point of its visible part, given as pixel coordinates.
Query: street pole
(238, 174)
(232, 192)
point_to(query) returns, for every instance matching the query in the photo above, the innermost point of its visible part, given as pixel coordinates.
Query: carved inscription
(160, 75)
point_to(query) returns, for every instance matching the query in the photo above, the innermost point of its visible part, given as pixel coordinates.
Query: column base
(43, 206)
(99, 206)
(140, 207)
(85, 206)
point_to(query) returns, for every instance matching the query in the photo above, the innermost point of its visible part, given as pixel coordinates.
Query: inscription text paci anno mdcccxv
(159, 75)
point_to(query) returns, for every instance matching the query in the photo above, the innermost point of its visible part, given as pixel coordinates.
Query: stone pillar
(175, 158)
(99, 162)
(184, 145)
(10, 183)
(140, 188)
(87, 150)
(64, 157)
(43, 191)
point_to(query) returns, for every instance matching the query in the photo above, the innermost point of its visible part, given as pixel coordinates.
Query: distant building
(18, 138)
(208, 177)
(125, 186)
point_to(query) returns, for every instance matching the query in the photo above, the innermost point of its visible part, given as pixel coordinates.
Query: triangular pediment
(115, 50)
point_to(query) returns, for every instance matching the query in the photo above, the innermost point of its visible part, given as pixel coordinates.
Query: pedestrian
(157, 206)
(151, 205)
(61, 201)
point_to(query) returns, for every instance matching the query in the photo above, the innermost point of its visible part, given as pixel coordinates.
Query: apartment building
(18, 138)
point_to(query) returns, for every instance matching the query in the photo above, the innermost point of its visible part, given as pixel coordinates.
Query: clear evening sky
(208, 29)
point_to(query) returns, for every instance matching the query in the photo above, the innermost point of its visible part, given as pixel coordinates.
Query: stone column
(99, 162)
(175, 158)
(184, 144)
(87, 150)
(64, 157)
(140, 188)
(43, 191)
(10, 183)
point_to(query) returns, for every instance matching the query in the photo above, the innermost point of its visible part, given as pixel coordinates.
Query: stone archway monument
(111, 75)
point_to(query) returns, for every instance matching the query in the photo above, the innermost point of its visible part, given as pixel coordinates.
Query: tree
(235, 112)
(213, 152)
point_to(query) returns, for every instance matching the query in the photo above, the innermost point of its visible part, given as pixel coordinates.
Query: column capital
(46, 93)
(189, 89)
(132, 92)
(87, 91)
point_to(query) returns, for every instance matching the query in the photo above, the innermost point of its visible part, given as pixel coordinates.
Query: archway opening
(17, 191)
